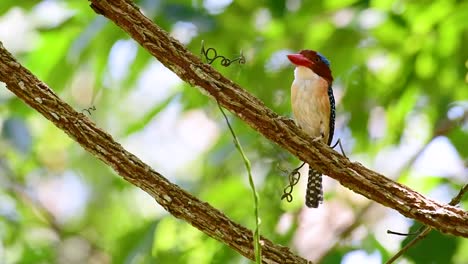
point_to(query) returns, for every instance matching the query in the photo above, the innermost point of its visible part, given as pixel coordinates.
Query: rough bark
(175, 200)
(181, 204)
(191, 69)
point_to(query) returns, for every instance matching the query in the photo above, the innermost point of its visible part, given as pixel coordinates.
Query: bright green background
(400, 70)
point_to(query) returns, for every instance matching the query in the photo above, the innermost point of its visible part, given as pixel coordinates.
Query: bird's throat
(304, 73)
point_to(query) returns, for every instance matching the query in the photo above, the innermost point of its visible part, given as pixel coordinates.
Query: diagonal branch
(188, 67)
(426, 230)
(444, 127)
(178, 202)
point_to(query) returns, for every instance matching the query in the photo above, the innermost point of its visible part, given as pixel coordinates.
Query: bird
(313, 107)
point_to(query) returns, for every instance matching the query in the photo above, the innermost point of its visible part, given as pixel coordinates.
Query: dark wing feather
(332, 114)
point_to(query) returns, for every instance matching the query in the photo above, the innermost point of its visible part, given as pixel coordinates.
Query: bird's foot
(287, 120)
(317, 139)
(338, 143)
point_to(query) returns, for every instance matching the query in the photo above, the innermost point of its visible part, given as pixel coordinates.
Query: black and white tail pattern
(314, 192)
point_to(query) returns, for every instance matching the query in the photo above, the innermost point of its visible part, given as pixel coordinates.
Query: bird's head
(314, 61)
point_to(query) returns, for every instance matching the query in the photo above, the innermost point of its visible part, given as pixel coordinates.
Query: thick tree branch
(175, 200)
(444, 127)
(187, 66)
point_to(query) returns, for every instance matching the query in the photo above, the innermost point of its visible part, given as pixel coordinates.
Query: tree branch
(191, 69)
(426, 230)
(178, 202)
(444, 127)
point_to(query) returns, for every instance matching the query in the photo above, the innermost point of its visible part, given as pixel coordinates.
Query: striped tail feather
(314, 192)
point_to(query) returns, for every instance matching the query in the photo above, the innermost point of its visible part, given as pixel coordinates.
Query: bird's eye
(317, 59)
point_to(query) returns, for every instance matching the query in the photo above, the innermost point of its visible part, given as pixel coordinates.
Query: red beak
(300, 60)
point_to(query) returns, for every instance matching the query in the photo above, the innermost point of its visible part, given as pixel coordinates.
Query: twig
(419, 237)
(402, 234)
(456, 200)
(443, 127)
(426, 230)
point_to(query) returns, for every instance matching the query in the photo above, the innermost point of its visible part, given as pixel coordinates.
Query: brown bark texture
(125, 14)
(172, 54)
(175, 200)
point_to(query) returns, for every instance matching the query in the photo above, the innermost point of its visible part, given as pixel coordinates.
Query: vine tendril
(293, 177)
(89, 109)
(211, 55)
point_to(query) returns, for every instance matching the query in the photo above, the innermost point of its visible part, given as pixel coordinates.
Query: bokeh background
(400, 71)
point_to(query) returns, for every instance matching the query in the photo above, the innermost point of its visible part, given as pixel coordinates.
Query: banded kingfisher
(313, 106)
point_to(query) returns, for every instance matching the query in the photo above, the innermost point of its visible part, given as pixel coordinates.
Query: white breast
(310, 103)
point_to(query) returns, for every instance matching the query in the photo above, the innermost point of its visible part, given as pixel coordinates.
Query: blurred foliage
(400, 71)
(445, 246)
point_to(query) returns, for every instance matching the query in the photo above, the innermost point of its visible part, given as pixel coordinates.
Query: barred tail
(314, 193)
